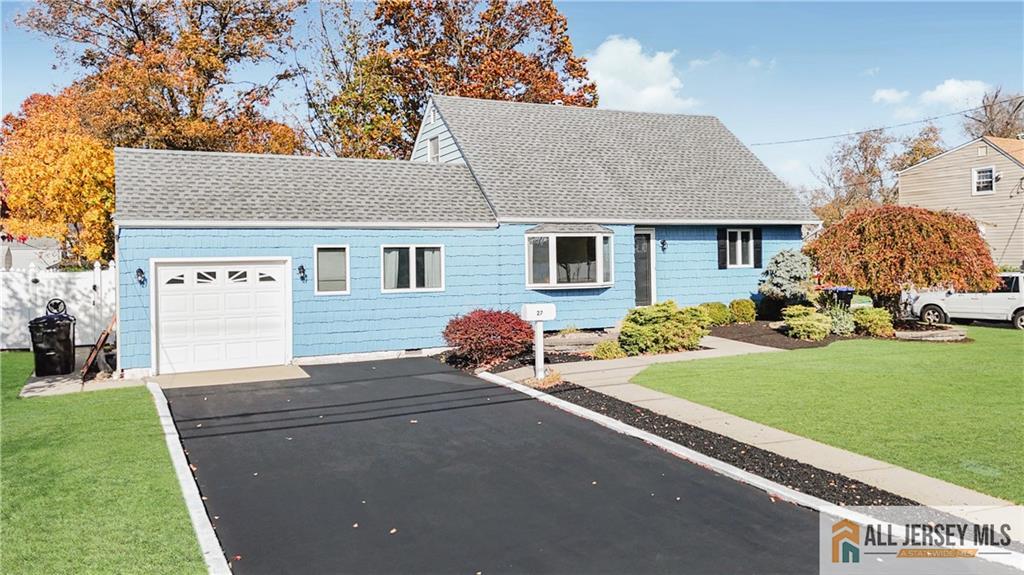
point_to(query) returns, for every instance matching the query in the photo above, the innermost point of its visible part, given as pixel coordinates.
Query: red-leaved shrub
(485, 335)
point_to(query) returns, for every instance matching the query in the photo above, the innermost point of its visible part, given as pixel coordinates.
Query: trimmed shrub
(697, 315)
(608, 350)
(795, 311)
(718, 312)
(874, 321)
(486, 336)
(743, 310)
(842, 319)
(812, 327)
(661, 328)
(787, 277)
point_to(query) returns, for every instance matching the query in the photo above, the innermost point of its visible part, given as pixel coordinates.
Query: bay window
(569, 260)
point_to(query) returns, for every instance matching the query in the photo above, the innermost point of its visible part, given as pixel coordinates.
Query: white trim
(739, 238)
(375, 225)
(553, 260)
(974, 181)
(412, 269)
(656, 222)
(650, 249)
(434, 150)
(368, 356)
(286, 261)
(316, 270)
(775, 490)
(209, 545)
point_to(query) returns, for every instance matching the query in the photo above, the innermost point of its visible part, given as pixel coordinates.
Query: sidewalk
(611, 377)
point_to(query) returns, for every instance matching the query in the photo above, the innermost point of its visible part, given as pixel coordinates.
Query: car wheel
(1018, 319)
(933, 314)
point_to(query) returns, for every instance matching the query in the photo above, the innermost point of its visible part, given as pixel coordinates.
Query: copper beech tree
(493, 49)
(883, 251)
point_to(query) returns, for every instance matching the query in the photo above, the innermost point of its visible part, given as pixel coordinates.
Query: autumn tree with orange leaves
(58, 178)
(493, 49)
(156, 74)
(884, 251)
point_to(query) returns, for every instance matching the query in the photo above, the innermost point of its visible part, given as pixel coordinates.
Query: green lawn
(953, 411)
(86, 484)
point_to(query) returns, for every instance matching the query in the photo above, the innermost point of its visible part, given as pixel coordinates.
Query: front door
(642, 267)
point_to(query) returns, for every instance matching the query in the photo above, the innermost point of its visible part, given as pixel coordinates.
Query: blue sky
(770, 71)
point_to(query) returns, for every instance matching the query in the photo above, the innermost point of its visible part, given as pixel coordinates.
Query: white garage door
(221, 315)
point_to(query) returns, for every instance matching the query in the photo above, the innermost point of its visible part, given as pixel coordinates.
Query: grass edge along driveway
(86, 483)
(952, 411)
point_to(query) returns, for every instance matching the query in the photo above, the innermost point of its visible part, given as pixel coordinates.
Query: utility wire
(921, 121)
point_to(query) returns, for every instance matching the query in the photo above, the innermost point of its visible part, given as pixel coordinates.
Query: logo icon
(845, 538)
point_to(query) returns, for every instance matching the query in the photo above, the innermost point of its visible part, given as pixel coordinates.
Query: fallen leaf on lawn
(236, 558)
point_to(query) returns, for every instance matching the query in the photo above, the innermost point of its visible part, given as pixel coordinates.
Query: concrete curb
(773, 489)
(213, 555)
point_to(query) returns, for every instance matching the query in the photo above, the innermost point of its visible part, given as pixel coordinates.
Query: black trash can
(53, 343)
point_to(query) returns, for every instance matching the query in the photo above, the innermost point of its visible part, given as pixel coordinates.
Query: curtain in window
(428, 267)
(396, 268)
(577, 259)
(330, 269)
(540, 261)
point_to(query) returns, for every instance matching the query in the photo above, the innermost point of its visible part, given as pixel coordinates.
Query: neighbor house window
(412, 268)
(569, 260)
(984, 180)
(433, 150)
(330, 270)
(740, 248)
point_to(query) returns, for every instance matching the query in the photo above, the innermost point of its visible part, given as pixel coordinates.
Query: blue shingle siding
(448, 149)
(484, 268)
(687, 269)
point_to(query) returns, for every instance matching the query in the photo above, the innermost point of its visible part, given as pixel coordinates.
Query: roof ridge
(569, 106)
(160, 151)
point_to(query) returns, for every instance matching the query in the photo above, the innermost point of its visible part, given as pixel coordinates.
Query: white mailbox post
(537, 314)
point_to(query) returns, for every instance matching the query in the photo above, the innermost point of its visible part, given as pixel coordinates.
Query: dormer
(434, 142)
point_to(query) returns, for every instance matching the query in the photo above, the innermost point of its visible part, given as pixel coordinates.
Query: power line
(921, 121)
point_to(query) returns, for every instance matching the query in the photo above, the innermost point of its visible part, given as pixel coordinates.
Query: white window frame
(432, 115)
(316, 269)
(553, 261)
(974, 181)
(728, 247)
(434, 150)
(412, 268)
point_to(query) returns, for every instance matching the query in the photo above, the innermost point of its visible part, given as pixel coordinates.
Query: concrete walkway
(611, 377)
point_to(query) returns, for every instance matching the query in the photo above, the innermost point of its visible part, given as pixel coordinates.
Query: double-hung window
(740, 248)
(984, 181)
(412, 268)
(330, 270)
(570, 260)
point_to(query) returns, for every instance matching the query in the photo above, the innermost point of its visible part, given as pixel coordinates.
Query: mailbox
(538, 312)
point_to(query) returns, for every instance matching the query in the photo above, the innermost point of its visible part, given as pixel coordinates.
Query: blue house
(238, 260)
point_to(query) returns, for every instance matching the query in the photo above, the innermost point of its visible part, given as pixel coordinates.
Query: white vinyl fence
(89, 295)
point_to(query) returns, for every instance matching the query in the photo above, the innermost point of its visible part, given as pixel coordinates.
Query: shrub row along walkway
(611, 377)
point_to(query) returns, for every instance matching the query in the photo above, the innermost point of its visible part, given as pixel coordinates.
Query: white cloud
(871, 71)
(889, 96)
(754, 63)
(630, 79)
(699, 63)
(954, 93)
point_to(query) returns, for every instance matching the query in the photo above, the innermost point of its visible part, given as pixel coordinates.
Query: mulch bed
(831, 487)
(759, 333)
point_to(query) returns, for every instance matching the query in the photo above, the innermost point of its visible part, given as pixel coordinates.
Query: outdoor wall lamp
(664, 245)
(302, 273)
(140, 276)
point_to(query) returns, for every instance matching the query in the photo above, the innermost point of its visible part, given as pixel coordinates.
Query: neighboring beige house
(983, 179)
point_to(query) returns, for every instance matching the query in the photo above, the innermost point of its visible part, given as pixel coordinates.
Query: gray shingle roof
(175, 186)
(543, 162)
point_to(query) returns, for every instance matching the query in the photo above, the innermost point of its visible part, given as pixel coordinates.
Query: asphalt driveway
(407, 466)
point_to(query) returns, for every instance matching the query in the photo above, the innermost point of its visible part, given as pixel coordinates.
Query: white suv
(1006, 303)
